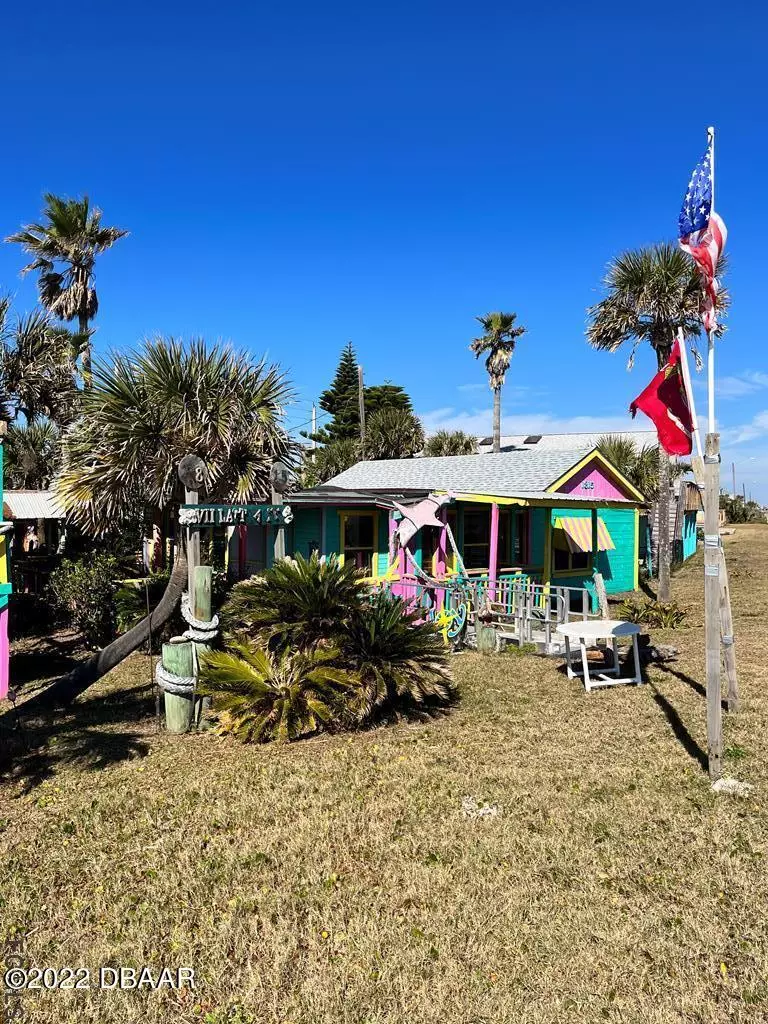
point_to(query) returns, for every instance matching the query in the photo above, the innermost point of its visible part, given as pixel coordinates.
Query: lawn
(339, 880)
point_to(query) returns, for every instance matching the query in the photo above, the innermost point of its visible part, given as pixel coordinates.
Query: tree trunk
(665, 555)
(496, 420)
(86, 356)
(64, 690)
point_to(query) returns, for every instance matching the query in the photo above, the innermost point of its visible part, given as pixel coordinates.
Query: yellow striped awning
(578, 533)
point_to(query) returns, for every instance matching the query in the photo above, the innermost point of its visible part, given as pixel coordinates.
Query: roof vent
(533, 439)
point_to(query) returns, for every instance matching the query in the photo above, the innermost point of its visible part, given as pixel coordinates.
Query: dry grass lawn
(337, 880)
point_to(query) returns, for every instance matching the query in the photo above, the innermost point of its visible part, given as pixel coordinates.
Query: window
(477, 539)
(358, 538)
(564, 559)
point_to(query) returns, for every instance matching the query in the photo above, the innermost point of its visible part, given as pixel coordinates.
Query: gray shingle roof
(508, 474)
(563, 442)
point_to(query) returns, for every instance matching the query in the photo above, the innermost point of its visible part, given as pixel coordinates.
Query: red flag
(666, 403)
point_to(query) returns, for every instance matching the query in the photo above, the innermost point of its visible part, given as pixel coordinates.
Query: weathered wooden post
(280, 479)
(178, 661)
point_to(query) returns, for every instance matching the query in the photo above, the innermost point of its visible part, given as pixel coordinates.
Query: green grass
(337, 879)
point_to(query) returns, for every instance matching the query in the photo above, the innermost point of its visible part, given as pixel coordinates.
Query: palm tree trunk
(66, 689)
(665, 556)
(86, 356)
(496, 420)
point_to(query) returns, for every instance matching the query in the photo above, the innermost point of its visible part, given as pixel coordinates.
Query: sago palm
(296, 603)
(64, 247)
(400, 665)
(497, 343)
(651, 294)
(266, 696)
(450, 442)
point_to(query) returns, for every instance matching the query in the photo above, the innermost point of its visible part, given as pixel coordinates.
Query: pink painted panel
(4, 653)
(594, 482)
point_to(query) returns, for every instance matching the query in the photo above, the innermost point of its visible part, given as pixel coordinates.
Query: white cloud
(738, 385)
(480, 422)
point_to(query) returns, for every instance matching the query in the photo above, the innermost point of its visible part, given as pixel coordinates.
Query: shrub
(265, 696)
(655, 614)
(296, 603)
(84, 592)
(399, 664)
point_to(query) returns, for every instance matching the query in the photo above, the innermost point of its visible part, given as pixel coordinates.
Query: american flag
(703, 233)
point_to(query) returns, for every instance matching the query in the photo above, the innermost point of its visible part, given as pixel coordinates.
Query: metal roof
(32, 505)
(563, 442)
(521, 473)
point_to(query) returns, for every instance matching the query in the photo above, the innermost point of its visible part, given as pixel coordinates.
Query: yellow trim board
(596, 455)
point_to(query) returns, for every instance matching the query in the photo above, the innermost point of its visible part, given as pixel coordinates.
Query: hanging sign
(235, 515)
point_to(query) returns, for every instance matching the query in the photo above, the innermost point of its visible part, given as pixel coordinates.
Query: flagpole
(713, 558)
(710, 334)
(689, 391)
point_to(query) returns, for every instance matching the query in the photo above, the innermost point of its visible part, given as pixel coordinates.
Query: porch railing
(520, 607)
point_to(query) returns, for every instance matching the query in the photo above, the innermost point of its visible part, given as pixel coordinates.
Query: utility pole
(361, 401)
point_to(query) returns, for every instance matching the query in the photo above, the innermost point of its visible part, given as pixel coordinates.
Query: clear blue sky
(298, 175)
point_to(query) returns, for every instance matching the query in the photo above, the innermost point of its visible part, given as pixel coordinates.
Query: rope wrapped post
(201, 610)
(175, 675)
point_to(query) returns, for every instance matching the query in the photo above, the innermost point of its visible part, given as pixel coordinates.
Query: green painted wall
(618, 566)
(689, 535)
(307, 525)
(383, 543)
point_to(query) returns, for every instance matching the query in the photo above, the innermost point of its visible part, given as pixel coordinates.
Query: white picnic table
(587, 633)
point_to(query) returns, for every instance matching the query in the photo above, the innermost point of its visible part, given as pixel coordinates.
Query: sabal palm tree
(640, 465)
(497, 343)
(266, 696)
(64, 247)
(333, 458)
(144, 411)
(31, 455)
(651, 294)
(37, 369)
(393, 434)
(450, 442)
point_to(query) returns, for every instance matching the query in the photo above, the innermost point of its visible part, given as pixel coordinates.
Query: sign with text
(235, 515)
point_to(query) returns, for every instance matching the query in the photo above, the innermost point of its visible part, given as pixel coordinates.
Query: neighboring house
(556, 516)
(686, 505)
(565, 442)
(37, 531)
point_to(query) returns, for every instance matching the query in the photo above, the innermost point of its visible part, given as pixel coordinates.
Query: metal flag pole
(712, 553)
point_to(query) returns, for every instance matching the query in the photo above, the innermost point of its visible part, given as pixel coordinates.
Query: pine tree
(386, 396)
(341, 401)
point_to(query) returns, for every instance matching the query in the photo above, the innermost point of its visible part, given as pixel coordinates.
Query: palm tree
(295, 603)
(31, 455)
(393, 434)
(37, 368)
(144, 411)
(651, 294)
(497, 343)
(65, 246)
(450, 442)
(639, 465)
(333, 458)
(265, 696)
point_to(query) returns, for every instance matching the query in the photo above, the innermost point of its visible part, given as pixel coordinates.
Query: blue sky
(298, 175)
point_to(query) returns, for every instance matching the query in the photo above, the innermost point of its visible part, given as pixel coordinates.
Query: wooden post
(493, 556)
(277, 499)
(179, 659)
(662, 546)
(712, 570)
(726, 635)
(193, 543)
(201, 609)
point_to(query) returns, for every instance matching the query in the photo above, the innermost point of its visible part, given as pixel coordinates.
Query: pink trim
(441, 562)
(594, 482)
(5, 653)
(493, 557)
